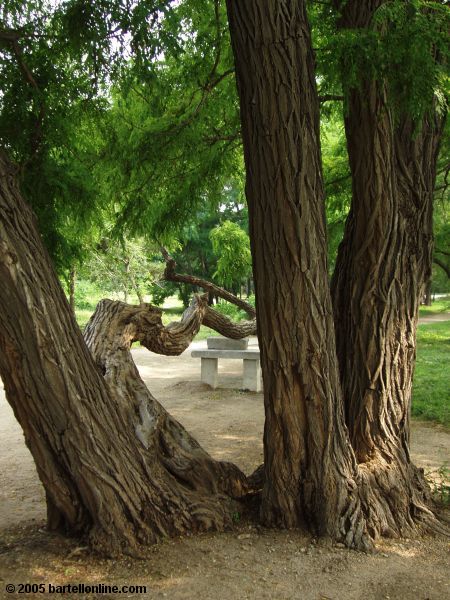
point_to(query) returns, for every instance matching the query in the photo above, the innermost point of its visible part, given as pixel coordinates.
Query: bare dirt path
(244, 563)
(436, 318)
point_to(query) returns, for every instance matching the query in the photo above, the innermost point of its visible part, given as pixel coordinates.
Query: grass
(431, 389)
(441, 305)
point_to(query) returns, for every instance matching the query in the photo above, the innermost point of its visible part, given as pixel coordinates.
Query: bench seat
(210, 366)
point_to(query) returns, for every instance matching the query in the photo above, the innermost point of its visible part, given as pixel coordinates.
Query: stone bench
(210, 363)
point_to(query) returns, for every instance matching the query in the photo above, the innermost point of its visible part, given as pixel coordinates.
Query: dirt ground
(247, 562)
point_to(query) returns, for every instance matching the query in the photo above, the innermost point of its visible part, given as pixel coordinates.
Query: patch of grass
(431, 389)
(82, 316)
(438, 306)
(205, 332)
(174, 311)
(172, 302)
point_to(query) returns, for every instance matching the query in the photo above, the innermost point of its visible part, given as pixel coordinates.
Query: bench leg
(252, 375)
(209, 370)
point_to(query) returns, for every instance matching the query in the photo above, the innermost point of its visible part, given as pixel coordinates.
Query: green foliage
(133, 117)
(124, 266)
(407, 47)
(171, 141)
(337, 180)
(232, 246)
(431, 399)
(231, 311)
(46, 101)
(87, 294)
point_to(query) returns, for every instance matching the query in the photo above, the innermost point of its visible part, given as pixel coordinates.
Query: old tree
(337, 361)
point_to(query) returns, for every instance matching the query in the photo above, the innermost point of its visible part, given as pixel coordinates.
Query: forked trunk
(310, 471)
(382, 267)
(115, 465)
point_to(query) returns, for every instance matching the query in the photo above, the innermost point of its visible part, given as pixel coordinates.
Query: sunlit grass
(441, 305)
(431, 389)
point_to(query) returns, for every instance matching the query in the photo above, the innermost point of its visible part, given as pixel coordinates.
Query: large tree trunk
(383, 264)
(115, 465)
(310, 470)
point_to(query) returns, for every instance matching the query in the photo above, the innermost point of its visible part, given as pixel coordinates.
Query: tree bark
(383, 264)
(115, 465)
(310, 471)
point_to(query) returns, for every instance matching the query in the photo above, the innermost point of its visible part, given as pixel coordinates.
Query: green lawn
(440, 305)
(431, 389)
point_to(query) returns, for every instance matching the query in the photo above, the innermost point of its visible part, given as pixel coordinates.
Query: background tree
(231, 245)
(124, 266)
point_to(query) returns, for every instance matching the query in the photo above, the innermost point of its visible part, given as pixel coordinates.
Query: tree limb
(170, 275)
(331, 98)
(443, 266)
(13, 36)
(225, 326)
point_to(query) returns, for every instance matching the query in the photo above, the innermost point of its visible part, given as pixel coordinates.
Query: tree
(124, 266)
(115, 466)
(384, 261)
(232, 247)
(310, 471)
(383, 265)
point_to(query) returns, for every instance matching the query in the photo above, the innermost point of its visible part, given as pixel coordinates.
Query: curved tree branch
(226, 326)
(171, 275)
(443, 266)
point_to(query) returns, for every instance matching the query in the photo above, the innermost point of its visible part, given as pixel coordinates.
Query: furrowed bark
(383, 265)
(310, 474)
(115, 465)
(222, 324)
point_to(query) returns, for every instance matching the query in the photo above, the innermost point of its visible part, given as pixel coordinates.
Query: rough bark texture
(382, 267)
(115, 465)
(310, 471)
(226, 326)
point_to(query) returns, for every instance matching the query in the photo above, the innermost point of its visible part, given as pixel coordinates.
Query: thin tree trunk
(72, 277)
(115, 465)
(427, 293)
(310, 471)
(383, 264)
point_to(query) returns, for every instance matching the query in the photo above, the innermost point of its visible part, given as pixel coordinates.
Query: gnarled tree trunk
(382, 267)
(310, 471)
(114, 464)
